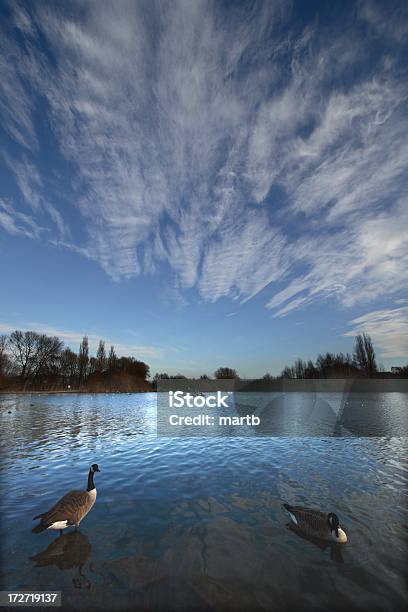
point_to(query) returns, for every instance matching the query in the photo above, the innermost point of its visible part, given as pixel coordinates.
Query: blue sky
(206, 184)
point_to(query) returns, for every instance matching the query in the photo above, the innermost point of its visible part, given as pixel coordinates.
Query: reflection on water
(335, 549)
(198, 523)
(327, 414)
(293, 413)
(68, 551)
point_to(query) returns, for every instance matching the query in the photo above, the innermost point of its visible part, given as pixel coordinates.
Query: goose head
(95, 468)
(336, 531)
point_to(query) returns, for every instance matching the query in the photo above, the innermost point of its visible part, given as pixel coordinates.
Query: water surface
(183, 523)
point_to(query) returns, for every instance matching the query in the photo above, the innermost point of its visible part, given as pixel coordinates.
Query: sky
(206, 184)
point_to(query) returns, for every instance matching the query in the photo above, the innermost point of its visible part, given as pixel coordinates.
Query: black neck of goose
(91, 485)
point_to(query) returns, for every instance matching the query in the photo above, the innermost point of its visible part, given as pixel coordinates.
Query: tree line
(219, 374)
(362, 363)
(29, 360)
(33, 361)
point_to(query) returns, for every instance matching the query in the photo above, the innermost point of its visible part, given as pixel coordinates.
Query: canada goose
(316, 523)
(70, 509)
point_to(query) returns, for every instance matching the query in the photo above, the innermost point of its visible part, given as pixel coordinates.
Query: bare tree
(23, 346)
(92, 366)
(4, 359)
(225, 373)
(83, 360)
(35, 354)
(324, 364)
(288, 372)
(160, 376)
(101, 361)
(42, 362)
(112, 359)
(69, 366)
(300, 368)
(310, 370)
(47, 355)
(364, 355)
(370, 355)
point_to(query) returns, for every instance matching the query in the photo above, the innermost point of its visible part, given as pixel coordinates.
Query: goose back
(313, 522)
(70, 509)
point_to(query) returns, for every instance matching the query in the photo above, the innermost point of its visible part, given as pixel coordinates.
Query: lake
(197, 522)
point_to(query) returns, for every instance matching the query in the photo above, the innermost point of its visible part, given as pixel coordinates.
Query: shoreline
(75, 392)
(334, 385)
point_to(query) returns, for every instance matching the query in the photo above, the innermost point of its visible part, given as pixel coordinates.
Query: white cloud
(394, 25)
(17, 223)
(239, 152)
(16, 105)
(31, 187)
(359, 264)
(388, 329)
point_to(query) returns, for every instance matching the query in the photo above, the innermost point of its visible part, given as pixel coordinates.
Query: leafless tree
(300, 368)
(83, 360)
(69, 366)
(23, 346)
(42, 362)
(47, 355)
(225, 373)
(35, 354)
(112, 359)
(4, 358)
(92, 366)
(101, 361)
(364, 355)
(160, 376)
(310, 370)
(288, 372)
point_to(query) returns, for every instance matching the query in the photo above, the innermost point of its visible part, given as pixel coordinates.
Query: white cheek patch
(293, 518)
(342, 536)
(58, 525)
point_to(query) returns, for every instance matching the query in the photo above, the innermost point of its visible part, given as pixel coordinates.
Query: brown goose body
(315, 523)
(70, 509)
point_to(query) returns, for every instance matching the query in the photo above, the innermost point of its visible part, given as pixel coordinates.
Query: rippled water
(184, 523)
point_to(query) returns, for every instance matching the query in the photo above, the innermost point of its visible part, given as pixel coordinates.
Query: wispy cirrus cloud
(243, 153)
(388, 329)
(32, 189)
(17, 223)
(395, 27)
(358, 264)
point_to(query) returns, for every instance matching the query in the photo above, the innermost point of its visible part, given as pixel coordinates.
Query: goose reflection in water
(68, 551)
(323, 545)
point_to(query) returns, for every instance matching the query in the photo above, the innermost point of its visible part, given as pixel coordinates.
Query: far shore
(328, 385)
(71, 392)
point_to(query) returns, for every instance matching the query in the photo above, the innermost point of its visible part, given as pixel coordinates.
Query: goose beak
(97, 470)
